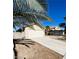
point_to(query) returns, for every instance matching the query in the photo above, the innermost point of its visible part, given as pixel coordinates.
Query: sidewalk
(55, 45)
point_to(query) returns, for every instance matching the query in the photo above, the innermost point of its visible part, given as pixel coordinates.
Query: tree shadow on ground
(25, 42)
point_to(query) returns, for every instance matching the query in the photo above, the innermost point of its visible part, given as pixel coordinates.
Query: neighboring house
(56, 31)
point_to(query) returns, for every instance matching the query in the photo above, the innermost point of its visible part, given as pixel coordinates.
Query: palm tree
(30, 10)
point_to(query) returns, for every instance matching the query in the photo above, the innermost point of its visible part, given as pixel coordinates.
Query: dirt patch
(36, 51)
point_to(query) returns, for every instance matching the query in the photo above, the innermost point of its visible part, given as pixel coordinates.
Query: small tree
(63, 25)
(47, 29)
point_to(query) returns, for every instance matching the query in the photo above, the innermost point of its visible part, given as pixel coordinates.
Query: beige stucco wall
(33, 34)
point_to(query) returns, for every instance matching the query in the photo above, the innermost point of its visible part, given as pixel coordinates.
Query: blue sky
(56, 11)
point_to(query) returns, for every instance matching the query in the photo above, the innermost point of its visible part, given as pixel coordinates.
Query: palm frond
(41, 16)
(32, 10)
